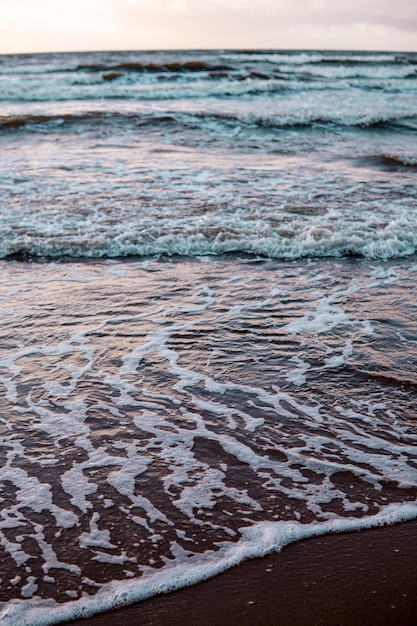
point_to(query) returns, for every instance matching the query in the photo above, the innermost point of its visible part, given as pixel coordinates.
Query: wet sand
(366, 578)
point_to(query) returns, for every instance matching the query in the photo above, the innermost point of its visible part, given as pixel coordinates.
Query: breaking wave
(279, 237)
(294, 120)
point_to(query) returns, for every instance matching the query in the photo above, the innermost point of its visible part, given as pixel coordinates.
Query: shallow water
(160, 414)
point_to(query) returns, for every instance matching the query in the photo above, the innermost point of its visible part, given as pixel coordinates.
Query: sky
(80, 25)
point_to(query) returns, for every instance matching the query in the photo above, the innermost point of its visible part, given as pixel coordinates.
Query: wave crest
(296, 120)
(276, 236)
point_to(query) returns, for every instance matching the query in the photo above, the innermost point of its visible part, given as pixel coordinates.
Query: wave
(301, 120)
(275, 235)
(388, 161)
(364, 60)
(111, 89)
(17, 121)
(172, 81)
(391, 160)
(10, 122)
(113, 77)
(358, 122)
(174, 66)
(189, 66)
(74, 67)
(266, 71)
(192, 59)
(259, 540)
(114, 85)
(298, 57)
(294, 121)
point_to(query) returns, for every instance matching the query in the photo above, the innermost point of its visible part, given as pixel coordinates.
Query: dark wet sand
(367, 578)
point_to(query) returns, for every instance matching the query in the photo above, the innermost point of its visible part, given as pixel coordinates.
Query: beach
(367, 578)
(207, 353)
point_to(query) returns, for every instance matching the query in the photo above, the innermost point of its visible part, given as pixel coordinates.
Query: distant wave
(176, 66)
(164, 76)
(359, 122)
(364, 60)
(389, 161)
(129, 66)
(113, 85)
(317, 56)
(192, 61)
(17, 121)
(8, 122)
(294, 121)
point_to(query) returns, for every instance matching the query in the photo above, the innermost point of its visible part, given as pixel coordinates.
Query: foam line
(259, 540)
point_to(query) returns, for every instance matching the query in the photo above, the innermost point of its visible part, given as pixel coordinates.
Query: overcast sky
(60, 25)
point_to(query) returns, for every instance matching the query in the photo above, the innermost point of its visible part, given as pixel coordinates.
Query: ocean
(208, 306)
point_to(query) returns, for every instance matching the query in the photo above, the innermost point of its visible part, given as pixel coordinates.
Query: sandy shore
(367, 578)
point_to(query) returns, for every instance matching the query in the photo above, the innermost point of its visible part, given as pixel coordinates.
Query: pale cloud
(367, 24)
(401, 14)
(62, 15)
(26, 25)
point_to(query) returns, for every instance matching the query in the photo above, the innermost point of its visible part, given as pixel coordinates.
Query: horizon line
(243, 50)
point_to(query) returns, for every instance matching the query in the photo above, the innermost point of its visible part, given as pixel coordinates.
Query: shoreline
(367, 577)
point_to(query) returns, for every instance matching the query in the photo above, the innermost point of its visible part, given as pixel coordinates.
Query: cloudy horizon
(81, 25)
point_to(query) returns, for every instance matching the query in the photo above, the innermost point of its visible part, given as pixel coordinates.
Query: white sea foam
(297, 375)
(273, 433)
(259, 540)
(336, 235)
(199, 202)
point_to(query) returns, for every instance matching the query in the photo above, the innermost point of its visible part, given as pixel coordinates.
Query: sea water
(208, 314)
